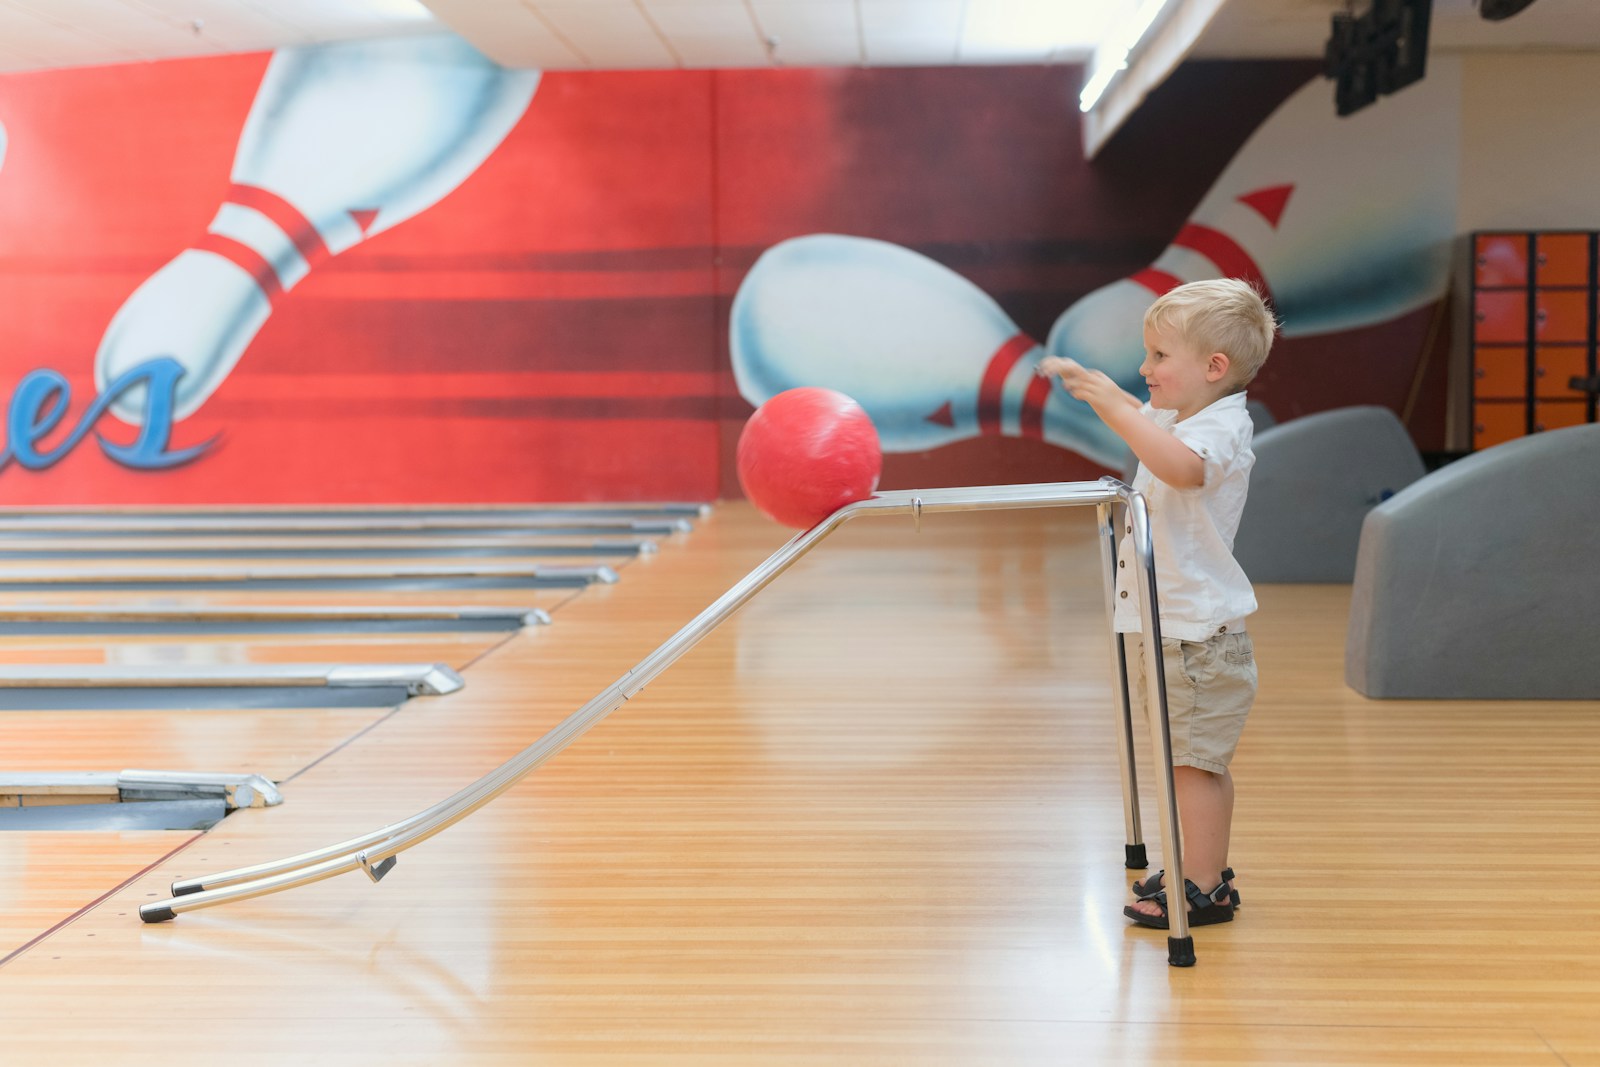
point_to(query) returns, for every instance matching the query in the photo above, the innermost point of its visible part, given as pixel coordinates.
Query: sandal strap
(1160, 876)
(1218, 895)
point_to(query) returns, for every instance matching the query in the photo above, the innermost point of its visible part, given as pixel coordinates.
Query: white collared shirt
(1201, 588)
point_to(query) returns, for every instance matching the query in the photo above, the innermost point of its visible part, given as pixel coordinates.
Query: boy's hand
(1059, 367)
(1093, 386)
(1096, 388)
(1167, 457)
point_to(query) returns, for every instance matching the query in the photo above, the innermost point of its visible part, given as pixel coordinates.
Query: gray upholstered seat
(1315, 480)
(1483, 579)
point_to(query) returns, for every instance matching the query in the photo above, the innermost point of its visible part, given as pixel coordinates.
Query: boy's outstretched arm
(1166, 457)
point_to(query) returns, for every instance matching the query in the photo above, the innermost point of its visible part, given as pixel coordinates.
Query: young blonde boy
(1204, 342)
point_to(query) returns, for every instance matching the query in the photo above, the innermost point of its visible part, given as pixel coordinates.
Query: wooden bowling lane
(275, 742)
(49, 878)
(875, 818)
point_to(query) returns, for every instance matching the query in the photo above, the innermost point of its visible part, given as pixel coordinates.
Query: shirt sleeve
(1217, 441)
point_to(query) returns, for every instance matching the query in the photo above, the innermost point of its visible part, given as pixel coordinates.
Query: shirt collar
(1232, 400)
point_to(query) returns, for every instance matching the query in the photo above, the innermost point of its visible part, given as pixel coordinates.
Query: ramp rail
(376, 852)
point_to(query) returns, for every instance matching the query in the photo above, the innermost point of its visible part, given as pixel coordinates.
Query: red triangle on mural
(944, 416)
(363, 219)
(1269, 202)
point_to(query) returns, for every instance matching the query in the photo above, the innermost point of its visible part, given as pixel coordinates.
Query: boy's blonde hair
(1219, 315)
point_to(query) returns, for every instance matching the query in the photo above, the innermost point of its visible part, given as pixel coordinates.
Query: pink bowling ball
(807, 452)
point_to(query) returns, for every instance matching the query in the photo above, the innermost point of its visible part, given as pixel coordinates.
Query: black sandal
(1206, 909)
(1151, 886)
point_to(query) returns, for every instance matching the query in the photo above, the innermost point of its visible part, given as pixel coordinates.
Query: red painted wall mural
(390, 271)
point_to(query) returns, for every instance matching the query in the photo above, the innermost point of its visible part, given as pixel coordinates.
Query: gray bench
(1481, 580)
(1314, 482)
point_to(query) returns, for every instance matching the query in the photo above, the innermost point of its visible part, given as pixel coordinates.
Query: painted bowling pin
(342, 142)
(1343, 222)
(929, 356)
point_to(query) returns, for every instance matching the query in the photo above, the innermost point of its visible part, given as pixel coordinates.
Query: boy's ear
(1217, 366)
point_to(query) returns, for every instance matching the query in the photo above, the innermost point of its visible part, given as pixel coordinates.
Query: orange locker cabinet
(1535, 319)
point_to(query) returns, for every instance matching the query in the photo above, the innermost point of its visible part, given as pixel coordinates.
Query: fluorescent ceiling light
(399, 10)
(1111, 57)
(1034, 27)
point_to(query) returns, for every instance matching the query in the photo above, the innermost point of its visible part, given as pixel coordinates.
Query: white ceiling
(1266, 29)
(655, 34)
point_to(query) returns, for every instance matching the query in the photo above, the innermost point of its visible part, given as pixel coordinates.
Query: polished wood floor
(875, 819)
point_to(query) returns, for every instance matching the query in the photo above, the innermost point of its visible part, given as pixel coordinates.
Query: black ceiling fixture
(1495, 10)
(1377, 53)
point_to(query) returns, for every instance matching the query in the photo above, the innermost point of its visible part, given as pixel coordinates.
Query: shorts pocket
(1177, 657)
(1243, 651)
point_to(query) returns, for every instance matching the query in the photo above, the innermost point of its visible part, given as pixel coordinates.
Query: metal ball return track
(376, 853)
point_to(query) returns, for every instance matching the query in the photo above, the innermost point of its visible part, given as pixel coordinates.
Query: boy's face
(1181, 377)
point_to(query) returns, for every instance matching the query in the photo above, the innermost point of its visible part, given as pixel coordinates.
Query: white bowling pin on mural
(1342, 222)
(342, 142)
(929, 356)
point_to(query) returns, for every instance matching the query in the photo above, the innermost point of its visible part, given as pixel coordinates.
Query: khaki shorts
(1210, 687)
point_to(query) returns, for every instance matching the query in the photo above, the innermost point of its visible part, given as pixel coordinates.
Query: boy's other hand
(1059, 367)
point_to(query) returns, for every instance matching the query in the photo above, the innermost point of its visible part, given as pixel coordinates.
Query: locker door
(1560, 315)
(1561, 259)
(1554, 369)
(1494, 422)
(1500, 259)
(1500, 317)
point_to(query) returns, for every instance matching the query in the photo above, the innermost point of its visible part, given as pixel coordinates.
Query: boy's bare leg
(1205, 818)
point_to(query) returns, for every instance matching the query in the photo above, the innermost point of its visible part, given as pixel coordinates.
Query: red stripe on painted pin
(1228, 255)
(1158, 282)
(992, 388)
(246, 259)
(1033, 408)
(284, 215)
